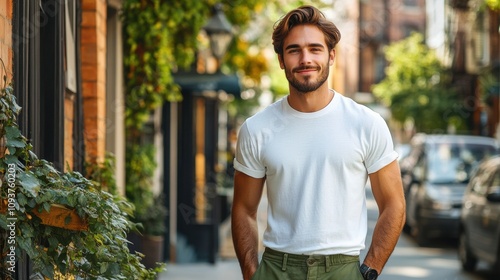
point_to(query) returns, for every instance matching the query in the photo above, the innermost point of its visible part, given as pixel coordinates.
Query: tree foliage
(416, 87)
(493, 4)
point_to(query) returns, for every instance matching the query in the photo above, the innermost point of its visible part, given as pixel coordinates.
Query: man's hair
(301, 16)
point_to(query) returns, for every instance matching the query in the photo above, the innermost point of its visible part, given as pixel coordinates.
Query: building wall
(374, 25)
(6, 51)
(344, 74)
(115, 97)
(436, 22)
(93, 57)
(404, 18)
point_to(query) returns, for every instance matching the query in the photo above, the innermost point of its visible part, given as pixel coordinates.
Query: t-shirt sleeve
(247, 154)
(380, 146)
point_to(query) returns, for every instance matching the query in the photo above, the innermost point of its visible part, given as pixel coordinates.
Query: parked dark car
(480, 218)
(435, 174)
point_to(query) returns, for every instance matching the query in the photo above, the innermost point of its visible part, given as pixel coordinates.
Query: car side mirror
(494, 194)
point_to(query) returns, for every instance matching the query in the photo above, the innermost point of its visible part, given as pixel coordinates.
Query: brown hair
(304, 15)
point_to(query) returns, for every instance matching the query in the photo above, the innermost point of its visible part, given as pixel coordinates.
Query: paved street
(408, 262)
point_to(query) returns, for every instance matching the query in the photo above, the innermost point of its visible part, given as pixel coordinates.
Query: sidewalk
(227, 266)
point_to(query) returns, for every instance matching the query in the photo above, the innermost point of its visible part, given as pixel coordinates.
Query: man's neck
(312, 101)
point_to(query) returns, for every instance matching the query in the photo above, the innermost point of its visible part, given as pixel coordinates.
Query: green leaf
(104, 267)
(46, 206)
(114, 269)
(15, 143)
(29, 182)
(53, 242)
(67, 220)
(31, 203)
(21, 199)
(3, 222)
(12, 132)
(11, 159)
(71, 200)
(26, 245)
(82, 199)
(12, 150)
(13, 104)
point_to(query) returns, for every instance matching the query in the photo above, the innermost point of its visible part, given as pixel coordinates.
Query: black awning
(194, 83)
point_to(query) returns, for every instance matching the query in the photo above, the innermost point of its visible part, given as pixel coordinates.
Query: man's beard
(308, 85)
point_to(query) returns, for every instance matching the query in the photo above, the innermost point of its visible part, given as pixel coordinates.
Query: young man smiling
(315, 150)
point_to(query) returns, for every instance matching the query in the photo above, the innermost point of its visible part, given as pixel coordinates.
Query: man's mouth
(306, 69)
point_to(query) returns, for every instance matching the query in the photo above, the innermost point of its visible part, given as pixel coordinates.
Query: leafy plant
(417, 88)
(103, 174)
(493, 4)
(140, 168)
(159, 37)
(152, 217)
(100, 252)
(150, 211)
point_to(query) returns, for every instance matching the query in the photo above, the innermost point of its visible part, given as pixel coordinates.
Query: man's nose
(305, 57)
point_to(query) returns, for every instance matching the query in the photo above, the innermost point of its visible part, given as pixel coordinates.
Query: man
(315, 150)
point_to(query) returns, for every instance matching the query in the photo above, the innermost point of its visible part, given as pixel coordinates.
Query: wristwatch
(368, 272)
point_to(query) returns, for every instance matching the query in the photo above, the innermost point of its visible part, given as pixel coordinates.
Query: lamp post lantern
(219, 32)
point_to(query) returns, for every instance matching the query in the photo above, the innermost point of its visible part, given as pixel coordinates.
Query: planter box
(57, 217)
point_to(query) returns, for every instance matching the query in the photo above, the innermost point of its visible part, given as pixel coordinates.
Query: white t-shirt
(316, 167)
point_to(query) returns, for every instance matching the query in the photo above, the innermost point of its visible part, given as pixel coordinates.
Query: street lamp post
(198, 116)
(219, 32)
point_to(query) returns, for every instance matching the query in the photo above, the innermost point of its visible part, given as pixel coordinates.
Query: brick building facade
(56, 54)
(66, 71)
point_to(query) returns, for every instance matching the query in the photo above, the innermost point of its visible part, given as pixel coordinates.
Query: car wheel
(418, 230)
(420, 235)
(467, 259)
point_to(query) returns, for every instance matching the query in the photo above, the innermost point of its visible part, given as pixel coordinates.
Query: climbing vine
(162, 37)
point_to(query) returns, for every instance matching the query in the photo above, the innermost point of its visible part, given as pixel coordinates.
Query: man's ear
(332, 57)
(280, 59)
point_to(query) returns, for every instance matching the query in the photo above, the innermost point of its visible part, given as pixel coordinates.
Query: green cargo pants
(281, 266)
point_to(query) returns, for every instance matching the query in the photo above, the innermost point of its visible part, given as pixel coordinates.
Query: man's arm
(247, 194)
(388, 192)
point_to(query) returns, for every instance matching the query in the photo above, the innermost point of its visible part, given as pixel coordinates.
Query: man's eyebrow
(297, 46)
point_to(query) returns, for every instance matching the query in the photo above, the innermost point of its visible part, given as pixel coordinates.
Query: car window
(454, 162)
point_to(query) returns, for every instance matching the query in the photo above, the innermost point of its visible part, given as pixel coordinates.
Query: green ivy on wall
(160, 37)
